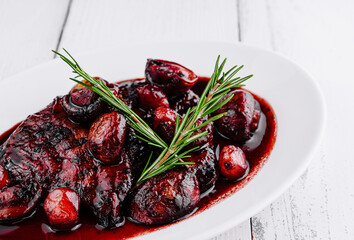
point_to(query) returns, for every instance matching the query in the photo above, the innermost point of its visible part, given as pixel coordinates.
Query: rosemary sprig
(211, 99)
(99, 87)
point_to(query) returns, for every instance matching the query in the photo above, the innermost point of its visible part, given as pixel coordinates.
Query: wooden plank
(317, 35)
(96, 24)
(240, 232)
(30, 30)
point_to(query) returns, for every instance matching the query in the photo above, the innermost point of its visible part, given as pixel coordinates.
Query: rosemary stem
(184, 132)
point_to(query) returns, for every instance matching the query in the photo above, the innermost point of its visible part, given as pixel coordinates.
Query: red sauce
(257, 151)
(6, 135)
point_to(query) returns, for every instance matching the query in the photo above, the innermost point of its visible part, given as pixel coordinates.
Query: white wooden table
(318, 34)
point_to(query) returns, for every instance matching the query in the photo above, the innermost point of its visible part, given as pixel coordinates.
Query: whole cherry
(172, 77)
(232, 163)
(106, 137)
(83, 105)
(81, 95)
(151, 97)
(62, 208)
(164, 122)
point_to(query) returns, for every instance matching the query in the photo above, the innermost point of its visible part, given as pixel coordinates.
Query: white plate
(294, 95)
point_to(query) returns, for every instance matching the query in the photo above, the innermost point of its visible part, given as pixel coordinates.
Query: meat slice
(204, 167)
(39, 145)
(242, 116)
(105, 190)
(49, 151)
(165, 198)
(19, 200)
(182, 102)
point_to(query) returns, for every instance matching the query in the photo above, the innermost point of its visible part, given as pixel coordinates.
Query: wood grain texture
(240, 232)
(316, 35)
(29, 30)
(97, 24)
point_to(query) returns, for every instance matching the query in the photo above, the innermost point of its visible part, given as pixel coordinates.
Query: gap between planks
(63, 26)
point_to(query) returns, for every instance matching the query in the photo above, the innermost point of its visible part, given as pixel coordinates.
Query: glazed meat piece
(37, 155)
(106, 137)
(173, 78)
(19, 200)
(48, 151)
(164, 122)
(182, 102)
(62, 208)
(105, 190)
(164, 198)
(127, 91)
(138, 152)
(151, 97)
(38, 147)
(205, 141)
(82, 105)
(204, 167)
(241, 116)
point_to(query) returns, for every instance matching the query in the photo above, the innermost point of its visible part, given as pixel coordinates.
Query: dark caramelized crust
(164, 198)
(182, 102)
(105, 190)
(48, 151)
(204, 167)
(241, 116)
(137, 151)
(19, 200)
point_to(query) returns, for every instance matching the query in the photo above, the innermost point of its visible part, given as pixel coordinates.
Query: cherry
(83, 105)
(164, 122)
(62, 208)
(172, 77)
(232, 163)
(151, 97)
(81, 95)
(106, 137)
